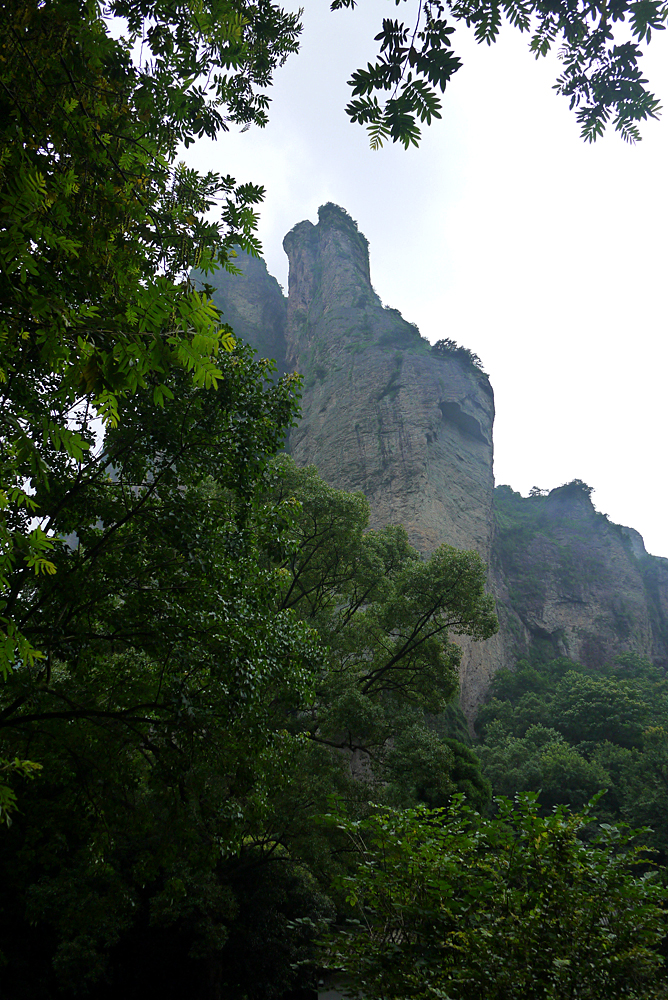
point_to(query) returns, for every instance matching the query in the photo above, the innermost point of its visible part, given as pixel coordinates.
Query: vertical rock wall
(571, 583)
(412, 429)
(254, 306)
(381, 413)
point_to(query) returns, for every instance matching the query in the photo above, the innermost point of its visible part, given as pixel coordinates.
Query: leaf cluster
(450, 348)
(567, 732)
(601, 74)
(157, 707)
(410, 64)
(100, 225)
(384, 613)
(450, 904)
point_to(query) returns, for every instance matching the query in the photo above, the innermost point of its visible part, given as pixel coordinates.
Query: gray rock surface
(381, 412)
(412, 429)
(254, 306)
(571, 583)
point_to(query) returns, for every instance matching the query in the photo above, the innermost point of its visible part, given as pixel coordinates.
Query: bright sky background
(545, 256)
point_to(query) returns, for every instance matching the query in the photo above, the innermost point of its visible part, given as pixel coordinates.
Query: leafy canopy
(601, 64)
(158, 707)
(100, 226)
(221, 637)
(447, 903)
(374, 729)
(567, 731)
(386, 615)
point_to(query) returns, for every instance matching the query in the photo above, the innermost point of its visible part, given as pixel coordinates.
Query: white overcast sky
(544, 255)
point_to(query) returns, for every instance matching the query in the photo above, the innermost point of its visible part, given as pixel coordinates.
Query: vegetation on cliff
(450, 348)
(199, 646)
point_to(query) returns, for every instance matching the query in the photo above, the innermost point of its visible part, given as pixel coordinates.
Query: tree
(99, 225)
(601, 75)
(385, 613)
(158, 707)
(641, 782)
(585, 706)
(374, 730)
(541, 761)
(567, 731)
(451, 348)
(221, 635)
(446, 903)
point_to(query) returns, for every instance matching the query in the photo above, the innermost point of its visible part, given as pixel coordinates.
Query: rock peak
(410, 425)
(331, 216)
(572, 500)
(329, 266)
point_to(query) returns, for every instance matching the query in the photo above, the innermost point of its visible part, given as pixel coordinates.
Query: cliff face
(571, 583)
(384, 413)
(381, 412)
(254, 306)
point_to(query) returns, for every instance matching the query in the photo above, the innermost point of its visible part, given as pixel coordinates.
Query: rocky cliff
(254, 305)
(569, 582)
(381, 412)
(411, 426)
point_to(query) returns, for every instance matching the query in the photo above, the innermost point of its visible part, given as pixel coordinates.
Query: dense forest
(228, 712)
(231, 752)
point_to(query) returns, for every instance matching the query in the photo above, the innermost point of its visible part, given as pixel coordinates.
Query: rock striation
(569, 582)
(411, 427)
(254, 306)
(381, 413)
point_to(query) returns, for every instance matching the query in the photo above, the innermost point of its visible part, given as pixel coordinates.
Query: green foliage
(449, 904)
(566, 732)
(158, 706)
(595, 709)
(423, 768)
(601, 65)
(281, 909)
(194, 645)
(11, 768)
(384, 615)
(101, 225)
(411, 65)
(450, 348)
(222, 640)
(607, 703)
(384, 612)
(576, 487)
(542, 762)
(583, 705)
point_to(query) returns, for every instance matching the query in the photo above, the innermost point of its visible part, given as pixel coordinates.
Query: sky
(504, 231)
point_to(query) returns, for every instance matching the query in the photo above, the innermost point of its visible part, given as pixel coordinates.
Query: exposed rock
(381, 412)
(571, 583)
(254, 306)
(411, 427)
(636, 541)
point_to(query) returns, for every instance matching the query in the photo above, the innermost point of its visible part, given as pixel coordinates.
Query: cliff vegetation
(220, 670)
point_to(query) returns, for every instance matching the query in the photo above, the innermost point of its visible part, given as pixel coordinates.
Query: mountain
(569, 582)
(410, 425)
